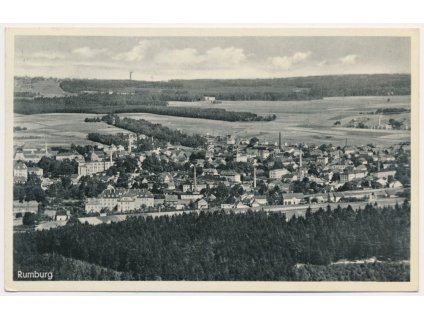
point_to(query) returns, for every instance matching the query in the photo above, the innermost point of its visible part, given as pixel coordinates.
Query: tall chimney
(111, 153)
(129, 144)
(300, 159)
(194, 180)
(254, 177)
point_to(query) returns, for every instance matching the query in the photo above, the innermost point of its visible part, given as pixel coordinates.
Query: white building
(277, 173)
(122, 200)
(292, 198)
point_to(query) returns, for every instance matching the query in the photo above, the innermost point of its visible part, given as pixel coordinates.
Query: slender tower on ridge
(279, 140)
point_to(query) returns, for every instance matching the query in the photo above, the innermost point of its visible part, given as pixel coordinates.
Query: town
(103, 183)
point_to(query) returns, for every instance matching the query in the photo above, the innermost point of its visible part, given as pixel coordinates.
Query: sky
(165, 58)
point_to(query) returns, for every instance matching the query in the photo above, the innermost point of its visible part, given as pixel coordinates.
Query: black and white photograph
(212, 159)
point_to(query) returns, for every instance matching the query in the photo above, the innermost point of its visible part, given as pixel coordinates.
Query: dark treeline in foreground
(231, 246)
(294, 88)
(101, 103)
(157, 131)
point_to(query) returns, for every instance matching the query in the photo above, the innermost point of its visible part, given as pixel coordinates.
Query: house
(240, 205)
(93, 167)
(292, 198)
(201, 204)
(322, 160)
(231, 176)
(121, 199)
(209, 172)
(126, 203)
(351, 174)
(190, 196)
(277, 173)
(240, 157)
(261, 199)
(349, 150)
(395, 184)
(70, 156)
(384, 174)
(63, 215)
(165, 177)
(20, 172)
(50, 213)
(171, 199)
(210, 98)
(263, 153)
(318, 198)
(36, 171)
(231, 140)
(29, 155)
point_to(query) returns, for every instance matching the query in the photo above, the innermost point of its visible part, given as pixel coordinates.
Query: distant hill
(294, 88)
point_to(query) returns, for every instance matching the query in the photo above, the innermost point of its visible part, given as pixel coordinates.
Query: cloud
(214, 57)
(286, 62)
(225, 56)
(322, 63)
(45, 55)
(136, 54)
(178, 57)
(348, 59)
(88, 52)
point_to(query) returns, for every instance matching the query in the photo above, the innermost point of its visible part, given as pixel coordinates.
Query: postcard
(211, 159)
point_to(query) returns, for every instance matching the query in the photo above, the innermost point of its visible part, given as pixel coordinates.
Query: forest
(157, 131)
(118, 103)
(294, 88)
(391, 111)
(225, 246)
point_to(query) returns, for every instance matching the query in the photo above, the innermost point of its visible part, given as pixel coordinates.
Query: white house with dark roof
(20, 172)
(293, 198)
(122, 199)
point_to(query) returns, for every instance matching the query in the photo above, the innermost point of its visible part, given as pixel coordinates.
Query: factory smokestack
(194, 180)
(254, 177)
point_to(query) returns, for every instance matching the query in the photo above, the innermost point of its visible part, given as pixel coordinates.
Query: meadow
(298, 121)
(58, 129)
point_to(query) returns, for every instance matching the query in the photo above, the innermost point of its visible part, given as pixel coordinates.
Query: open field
(302, 121)
(299, 121)
(58, 129)
(48, 87)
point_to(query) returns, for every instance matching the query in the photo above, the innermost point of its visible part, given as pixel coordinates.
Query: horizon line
(204, 79)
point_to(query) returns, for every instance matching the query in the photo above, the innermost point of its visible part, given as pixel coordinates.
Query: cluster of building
(251, 171)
